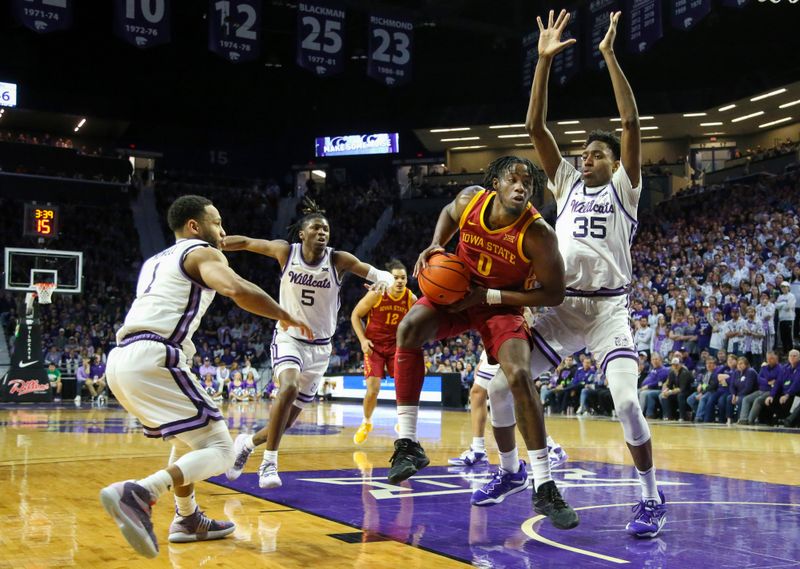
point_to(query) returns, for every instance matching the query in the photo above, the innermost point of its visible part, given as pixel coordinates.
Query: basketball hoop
(44, 292)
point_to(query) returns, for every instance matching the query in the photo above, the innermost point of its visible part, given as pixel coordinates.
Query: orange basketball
(445, 280)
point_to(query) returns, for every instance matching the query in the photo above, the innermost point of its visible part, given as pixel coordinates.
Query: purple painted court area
(712, 521)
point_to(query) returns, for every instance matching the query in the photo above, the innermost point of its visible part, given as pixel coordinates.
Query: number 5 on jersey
(307, 297)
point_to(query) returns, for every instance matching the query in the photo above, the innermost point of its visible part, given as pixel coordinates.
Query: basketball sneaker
(469, 458)
(502, 484)
(361, 434)
(268, 476)
(407, 460)
(242, 453)
(131, 507)
(557, 456)
(548, 501)
(198, 527)
(649, 517)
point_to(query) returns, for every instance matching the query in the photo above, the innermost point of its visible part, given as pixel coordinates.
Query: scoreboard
(40, 221)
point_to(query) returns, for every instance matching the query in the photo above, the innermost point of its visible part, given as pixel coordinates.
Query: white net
(44, 292)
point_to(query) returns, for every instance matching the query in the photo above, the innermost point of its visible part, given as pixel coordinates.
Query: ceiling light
(745, 117)
(644, 118)
(83, 122)
(568, 122)
(770, 94)
(578, 141)
(651, 136)
(712, 133)
(460, 139)
(524, 144)
(726, 108)
(449, 129)
(511, 135)
(574, 131)
(507, 126)
(694, 114)
(779, 121)
(640, 128)
(710, 123)
(790, 104)
(319, 173)
(467, 147)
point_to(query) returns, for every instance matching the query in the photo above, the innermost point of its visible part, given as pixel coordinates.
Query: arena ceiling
(467, 71)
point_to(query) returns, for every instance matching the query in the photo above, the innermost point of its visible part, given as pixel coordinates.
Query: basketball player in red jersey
(504, 241)
(378, 341)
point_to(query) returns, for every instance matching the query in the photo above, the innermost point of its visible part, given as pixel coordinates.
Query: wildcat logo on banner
(391, 39)
(234, 29)
(566, 64)
(596, 29)
(44, 16)
(320, 38)
(143, 23)
(686, 14)
(644, 24)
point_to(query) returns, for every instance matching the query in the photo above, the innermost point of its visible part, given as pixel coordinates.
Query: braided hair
(501, 166)
(311, 210)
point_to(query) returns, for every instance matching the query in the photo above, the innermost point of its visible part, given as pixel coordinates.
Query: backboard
(24, 267)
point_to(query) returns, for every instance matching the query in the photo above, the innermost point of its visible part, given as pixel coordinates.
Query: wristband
(493, 296)
(382, 277)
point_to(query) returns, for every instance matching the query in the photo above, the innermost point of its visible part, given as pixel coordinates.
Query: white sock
(407, 419)
(540, 467)
(185, 504)
(649, 487)
(271, 456)
(551, 443)
(478, 444)
(249, 444)
(509, 461)
(157, 483)
(367, 420)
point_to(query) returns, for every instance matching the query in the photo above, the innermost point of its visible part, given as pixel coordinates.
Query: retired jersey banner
(320, 37)
(566, 64)
(644, 24)
(734, 3)
(44, 16)
(530, 55)
(391, 39)
(143, 23)
(596, 28)
(234, 29)
(686, 14)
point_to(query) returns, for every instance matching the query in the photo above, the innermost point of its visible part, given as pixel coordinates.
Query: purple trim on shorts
(575, 185)
(284, 359)
(619, 353)
(316, 342)
(305, 398)
(622, 207)
(192, 306)
(547, 350)
(183, 271)
(601, 292)
(146, 336)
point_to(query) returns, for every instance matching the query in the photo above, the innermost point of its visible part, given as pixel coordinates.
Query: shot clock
(41, 221)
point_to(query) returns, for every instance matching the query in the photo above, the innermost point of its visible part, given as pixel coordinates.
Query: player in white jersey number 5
(596, 222)
(149, 372)
(310, 282)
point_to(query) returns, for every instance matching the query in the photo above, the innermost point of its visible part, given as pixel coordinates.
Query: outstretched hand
(607, 44)
(550, 37)
(422, 260)
(293, 323)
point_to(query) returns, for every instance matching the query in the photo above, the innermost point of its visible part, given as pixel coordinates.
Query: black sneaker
(408, 458)
(548, 501)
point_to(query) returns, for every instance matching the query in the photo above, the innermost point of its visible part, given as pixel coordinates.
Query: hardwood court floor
(54, 460)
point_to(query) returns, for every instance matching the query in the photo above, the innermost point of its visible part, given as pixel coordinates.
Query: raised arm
(535, 122)
(446, 225)
(209, 266)
(631, 140)
(348, 263)
(277, 249)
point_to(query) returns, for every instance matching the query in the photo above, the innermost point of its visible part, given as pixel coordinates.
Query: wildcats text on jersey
(308, 280)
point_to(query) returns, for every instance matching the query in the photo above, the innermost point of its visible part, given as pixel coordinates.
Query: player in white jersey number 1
(149, 373)
(596, 221)
(310, 282)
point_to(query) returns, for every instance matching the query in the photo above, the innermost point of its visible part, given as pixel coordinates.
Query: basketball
(445, 280)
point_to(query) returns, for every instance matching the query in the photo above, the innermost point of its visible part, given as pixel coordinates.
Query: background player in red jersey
(504, 241)
(378, 340)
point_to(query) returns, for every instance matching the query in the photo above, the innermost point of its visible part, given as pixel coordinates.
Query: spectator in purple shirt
(207, 368)
(719, 389)
(97, 372)
(652, 384)
(785, 389)
(744, 381)
(753, 404)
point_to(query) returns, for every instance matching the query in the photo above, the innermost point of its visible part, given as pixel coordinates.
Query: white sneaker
(268, 476)
(77, 401)
(581, 411)
(242, 453)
